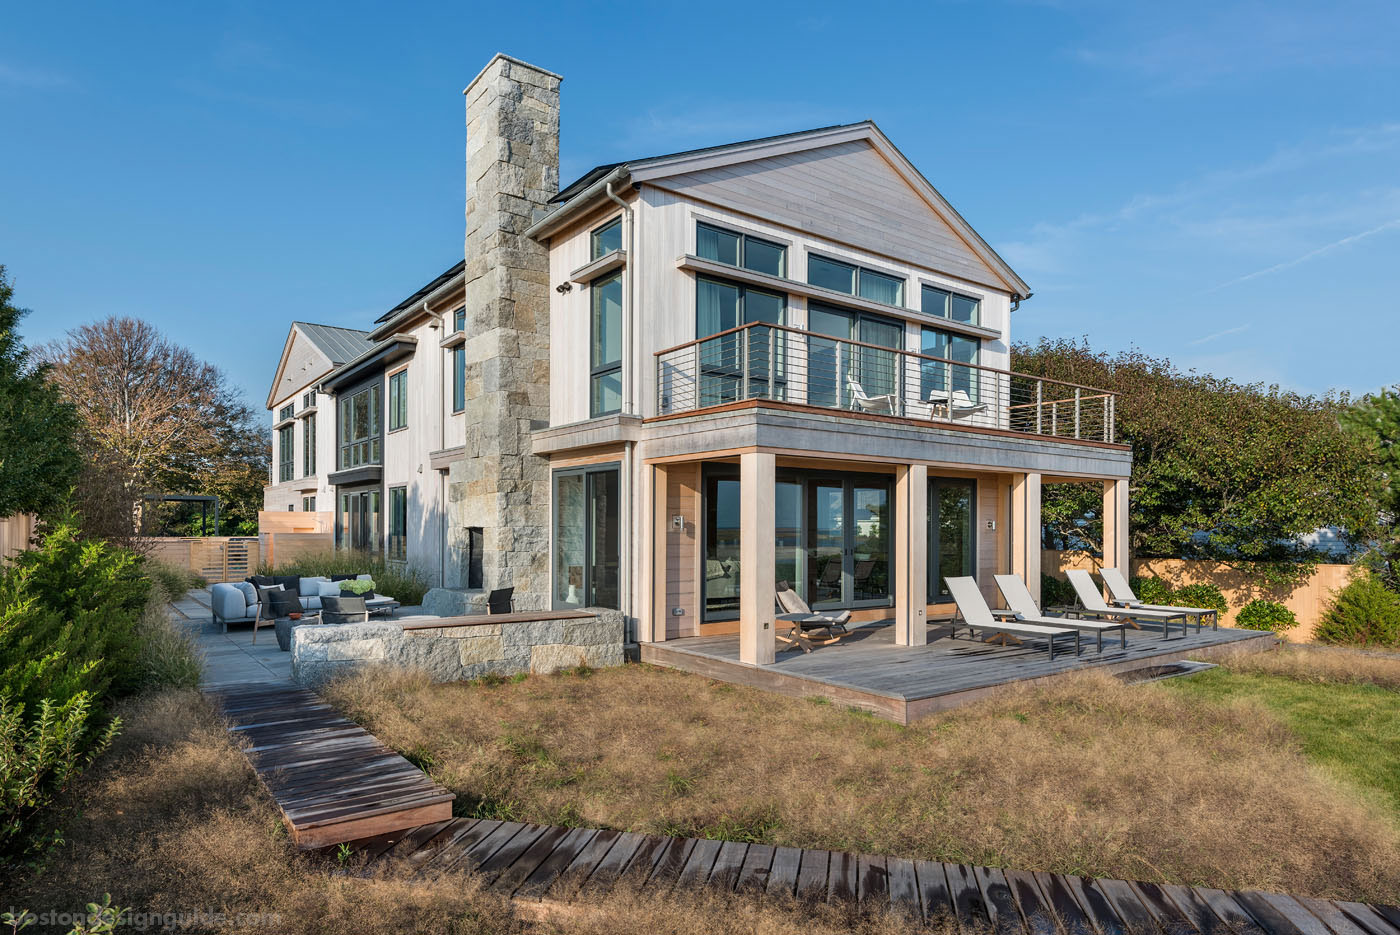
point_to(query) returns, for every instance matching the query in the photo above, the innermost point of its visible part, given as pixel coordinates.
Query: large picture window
(721, 306)
(286, 454)
(855, 280)
(398, 400)
(948, 383)
(587, 538)
(360, 428)
(605, 346)
(941, 303)
(398, 524)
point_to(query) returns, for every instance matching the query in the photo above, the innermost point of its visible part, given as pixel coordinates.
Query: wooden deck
(903, 683)
(332, 781)
(555, 867)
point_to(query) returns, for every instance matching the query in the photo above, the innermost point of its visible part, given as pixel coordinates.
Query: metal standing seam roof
(341, 345)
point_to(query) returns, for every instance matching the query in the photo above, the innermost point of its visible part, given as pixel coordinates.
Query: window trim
(376, 434)
(390, 411)
(287, 412)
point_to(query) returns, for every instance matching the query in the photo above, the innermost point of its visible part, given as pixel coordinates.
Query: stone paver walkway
(231, 658)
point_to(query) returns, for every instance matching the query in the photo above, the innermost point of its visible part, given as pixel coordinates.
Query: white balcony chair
(879, 404)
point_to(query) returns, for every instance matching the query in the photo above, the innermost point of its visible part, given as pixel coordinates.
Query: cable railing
(775, 362)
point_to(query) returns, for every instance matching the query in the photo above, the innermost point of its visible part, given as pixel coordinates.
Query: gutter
(575, 205)
(387, 328)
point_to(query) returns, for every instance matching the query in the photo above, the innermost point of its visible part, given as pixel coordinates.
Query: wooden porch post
(911, 554)
(1025, 531)
(1115, 526)
(757, 554)
(657, 558)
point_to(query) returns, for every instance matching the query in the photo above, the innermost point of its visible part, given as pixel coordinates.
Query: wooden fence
(1308, 601)
(282, 547)
(217, 558)
(15, 533)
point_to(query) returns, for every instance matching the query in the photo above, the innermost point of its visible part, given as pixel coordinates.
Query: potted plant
(359, 587)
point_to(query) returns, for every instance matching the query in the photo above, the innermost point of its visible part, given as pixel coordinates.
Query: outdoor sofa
(239, 601)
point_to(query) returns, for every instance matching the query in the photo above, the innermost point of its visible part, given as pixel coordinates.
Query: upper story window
(286, 443)
(459, 363)
(949, 383)
(286, 412)
(359, 428)
(459, 320)
(855, 280)
(605, 346)
(942, 303)
(308, 445)
(398, 400)
(308, 399)
(606, 239)
(722, 246)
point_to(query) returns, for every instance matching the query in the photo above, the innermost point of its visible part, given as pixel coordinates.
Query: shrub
(1364, 613)
(1056, 592)
(1260, 614)
(1151, 590)
(1199, 595)
(174, 579)
(169, 657)
(404, 583)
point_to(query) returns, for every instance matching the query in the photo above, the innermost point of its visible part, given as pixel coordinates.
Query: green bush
(1198, 595)
(1364, 613)
(1056, 592)
(1151, 590)
(403, 583)
(169, 657)
(1260, 614)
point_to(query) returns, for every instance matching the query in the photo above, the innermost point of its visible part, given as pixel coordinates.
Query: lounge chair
(1023, 607)
(956, 405)
(880, 404)
(1121, 593)
(808, 628)
(1091, 602)
(976, 615)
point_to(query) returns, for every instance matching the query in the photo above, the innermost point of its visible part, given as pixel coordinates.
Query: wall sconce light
(564, 287)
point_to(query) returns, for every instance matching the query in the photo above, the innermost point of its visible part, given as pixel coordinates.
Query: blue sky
(1218, 183)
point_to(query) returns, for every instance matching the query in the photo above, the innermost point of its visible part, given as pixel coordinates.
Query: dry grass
(173, 822)
(1085, 776)
(1323, 664)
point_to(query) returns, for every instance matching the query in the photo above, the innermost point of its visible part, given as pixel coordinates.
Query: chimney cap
(513, 60)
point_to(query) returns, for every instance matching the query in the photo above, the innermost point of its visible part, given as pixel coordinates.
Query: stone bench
(453, 649)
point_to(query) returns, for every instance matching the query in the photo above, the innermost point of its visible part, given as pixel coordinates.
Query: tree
(1221, 470)
(38, 455)
(155, 419)
(1375, 421)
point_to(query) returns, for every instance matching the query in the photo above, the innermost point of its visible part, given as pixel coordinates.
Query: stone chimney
(498, 495)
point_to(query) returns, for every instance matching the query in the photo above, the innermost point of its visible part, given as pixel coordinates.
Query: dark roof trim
(377, 357)
(456, 270)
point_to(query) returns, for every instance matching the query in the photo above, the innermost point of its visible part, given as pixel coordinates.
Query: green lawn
(1351, 730)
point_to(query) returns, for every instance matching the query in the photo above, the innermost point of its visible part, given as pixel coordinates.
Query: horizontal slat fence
(216, 558)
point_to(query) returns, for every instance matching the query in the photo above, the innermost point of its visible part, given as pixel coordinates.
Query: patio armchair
(1121, 594)
(976, 615)
(808, 628)
(1023, 607)
(500, 601)
(344, 610)
(884, 405)
(1091, 603)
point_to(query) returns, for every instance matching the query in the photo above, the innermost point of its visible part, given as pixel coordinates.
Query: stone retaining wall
(452, 654)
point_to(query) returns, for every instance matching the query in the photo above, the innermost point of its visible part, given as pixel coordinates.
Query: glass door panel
(870, 546)
(878, 374)
(952, 533)
(721, 573)
(569, 540)
(826, 377)
(791, 558)
(604, 539)
(826, 551)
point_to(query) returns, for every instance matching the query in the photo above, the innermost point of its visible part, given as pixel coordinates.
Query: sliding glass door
(836, 371)
(952, 533)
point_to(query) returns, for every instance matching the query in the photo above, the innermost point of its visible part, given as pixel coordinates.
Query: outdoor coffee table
(379, 604)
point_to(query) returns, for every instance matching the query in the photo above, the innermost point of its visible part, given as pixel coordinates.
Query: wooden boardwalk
(560, 866)
(332, 781)
(904, 683)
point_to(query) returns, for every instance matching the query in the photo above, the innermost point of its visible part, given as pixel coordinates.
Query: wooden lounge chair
(976, 615)
(1091, 602)
(1023, 608)
(807, 627)
(1121, 594)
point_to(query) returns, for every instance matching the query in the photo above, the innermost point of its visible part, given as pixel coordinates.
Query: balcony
(801, 368)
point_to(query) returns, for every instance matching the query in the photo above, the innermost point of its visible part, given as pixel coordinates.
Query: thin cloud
(1219, 334)
(1311, 254)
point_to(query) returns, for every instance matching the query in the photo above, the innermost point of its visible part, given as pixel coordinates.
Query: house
(683, 378)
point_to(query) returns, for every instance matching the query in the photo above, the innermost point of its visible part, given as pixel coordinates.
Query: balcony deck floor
(903, 683)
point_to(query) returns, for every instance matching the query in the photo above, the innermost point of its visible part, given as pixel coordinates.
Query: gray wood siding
(847, 192)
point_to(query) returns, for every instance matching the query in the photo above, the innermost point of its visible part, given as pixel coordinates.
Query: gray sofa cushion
(230, 604)
(250, 593)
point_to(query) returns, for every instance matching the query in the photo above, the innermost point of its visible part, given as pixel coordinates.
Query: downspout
(440, 326)
(629, 391)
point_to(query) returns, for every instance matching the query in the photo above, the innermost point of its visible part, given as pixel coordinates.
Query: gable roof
(329, 347)
(581, 194)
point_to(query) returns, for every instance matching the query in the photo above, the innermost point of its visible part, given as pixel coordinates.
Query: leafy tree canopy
(38, 456)
(1221, 470)
(1375, 421)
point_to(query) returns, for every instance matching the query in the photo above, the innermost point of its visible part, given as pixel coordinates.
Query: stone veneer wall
(512, 169)
(454, 654)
